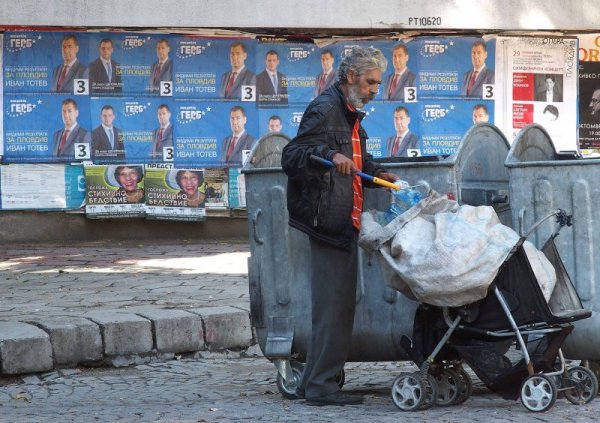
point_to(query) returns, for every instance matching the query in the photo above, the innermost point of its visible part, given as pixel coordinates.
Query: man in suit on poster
(326, 78)
(107, 139)
(163, 135)
(162, 69)
(105, 73)
(474, 80)
(232, 81)
(239, 139)
(551, 93)
(64, 75)
(402, 76)
(271, 85)
(480, 114)
(71, 133)
(398, 145)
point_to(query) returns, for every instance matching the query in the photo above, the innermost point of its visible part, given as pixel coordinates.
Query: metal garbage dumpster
(279, 265)
(543, 180)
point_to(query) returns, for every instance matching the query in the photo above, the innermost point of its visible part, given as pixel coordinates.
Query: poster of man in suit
(107, 139)
(105, 72)
(271, 84)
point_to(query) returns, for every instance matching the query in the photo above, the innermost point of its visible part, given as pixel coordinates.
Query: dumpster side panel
(536, 190)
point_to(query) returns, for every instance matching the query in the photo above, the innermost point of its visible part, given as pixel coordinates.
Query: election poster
(114, 191)
(41, 187)
(589, 94)
(449, 67)
(175, 194)
(214, 133)
(46, 128)
(291, 73)
(213, 68)
(287, 121)
(540, 86)
(132, 130)
(46, 62)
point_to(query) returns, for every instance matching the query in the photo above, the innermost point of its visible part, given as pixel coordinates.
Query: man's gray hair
(361, 60)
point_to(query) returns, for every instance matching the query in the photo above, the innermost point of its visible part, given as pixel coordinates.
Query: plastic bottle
(402, 200)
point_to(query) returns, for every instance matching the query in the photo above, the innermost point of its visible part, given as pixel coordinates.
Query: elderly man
(326, 204)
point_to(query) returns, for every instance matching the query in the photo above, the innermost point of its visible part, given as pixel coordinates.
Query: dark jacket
(319, 199)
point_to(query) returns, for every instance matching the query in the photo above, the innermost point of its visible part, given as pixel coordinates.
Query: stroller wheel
(538, 393)
(584, 385)
(449, 387)
(407, 391)
(431, 392)
(466, 385)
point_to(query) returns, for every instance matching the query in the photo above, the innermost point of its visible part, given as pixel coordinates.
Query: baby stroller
(511, 339)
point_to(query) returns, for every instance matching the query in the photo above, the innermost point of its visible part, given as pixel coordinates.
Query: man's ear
(350, 77)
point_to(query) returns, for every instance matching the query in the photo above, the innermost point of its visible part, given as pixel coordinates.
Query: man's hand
(343, 164)
(390, 177)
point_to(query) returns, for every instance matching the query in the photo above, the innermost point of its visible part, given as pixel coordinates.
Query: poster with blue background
(204, 68)
(204, 131)
(444, 67)
(35, 126)
(137, 123)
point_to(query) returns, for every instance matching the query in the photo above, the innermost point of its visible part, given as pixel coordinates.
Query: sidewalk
(120, 302)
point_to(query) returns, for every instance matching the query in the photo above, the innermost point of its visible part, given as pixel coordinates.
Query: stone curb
(113, 337)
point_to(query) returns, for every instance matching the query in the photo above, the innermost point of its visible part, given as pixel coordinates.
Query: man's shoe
(337, 398)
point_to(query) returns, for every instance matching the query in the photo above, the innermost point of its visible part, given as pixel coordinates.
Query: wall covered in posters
(161, 103)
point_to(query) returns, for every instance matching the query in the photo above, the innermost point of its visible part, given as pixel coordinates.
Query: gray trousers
(333, 294)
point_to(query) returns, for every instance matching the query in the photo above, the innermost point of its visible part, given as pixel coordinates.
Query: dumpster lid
(266, 152)
(534, 144)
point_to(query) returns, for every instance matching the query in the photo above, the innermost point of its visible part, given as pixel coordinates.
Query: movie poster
(541, 77)
(175, 194)
(114, 191)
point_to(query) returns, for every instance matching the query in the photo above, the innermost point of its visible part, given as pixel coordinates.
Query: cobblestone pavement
(226, 388)
(50, 280)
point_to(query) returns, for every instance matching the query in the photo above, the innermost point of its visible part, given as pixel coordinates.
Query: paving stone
(225, 327)
(24, 348)
(123, 333)
(74, 339)
(175, 330)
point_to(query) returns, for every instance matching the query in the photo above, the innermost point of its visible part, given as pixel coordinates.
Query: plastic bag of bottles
(402, 200)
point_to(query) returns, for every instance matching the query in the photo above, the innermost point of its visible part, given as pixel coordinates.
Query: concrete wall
(27, 227)
(381, 15)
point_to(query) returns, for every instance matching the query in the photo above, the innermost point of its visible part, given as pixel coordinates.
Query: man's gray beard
(354, 97)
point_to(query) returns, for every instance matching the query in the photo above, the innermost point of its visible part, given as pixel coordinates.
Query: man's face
(363, 88)
(69, 50)
(274, 125)
(272, 62)
(595, 102)
(326, 62)
(237, 121)
(401, 121)
(399, 58)
(237, 56)
(478, 56)
(69, 115)
(549, 84)
(128, 179)
(549, 116)
(107, 117)
(189, 183)
(164, 116)
(479, 115)
(106, 50)
(162, 51)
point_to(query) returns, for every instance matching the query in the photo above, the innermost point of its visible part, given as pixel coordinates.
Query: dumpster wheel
(288, 388)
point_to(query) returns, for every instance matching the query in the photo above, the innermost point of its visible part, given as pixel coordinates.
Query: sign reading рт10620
(425, 21)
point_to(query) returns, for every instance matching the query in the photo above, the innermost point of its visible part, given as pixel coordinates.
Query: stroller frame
(452, 385)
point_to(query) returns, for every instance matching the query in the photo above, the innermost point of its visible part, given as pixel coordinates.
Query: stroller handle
(562, 218)
(373, 179)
